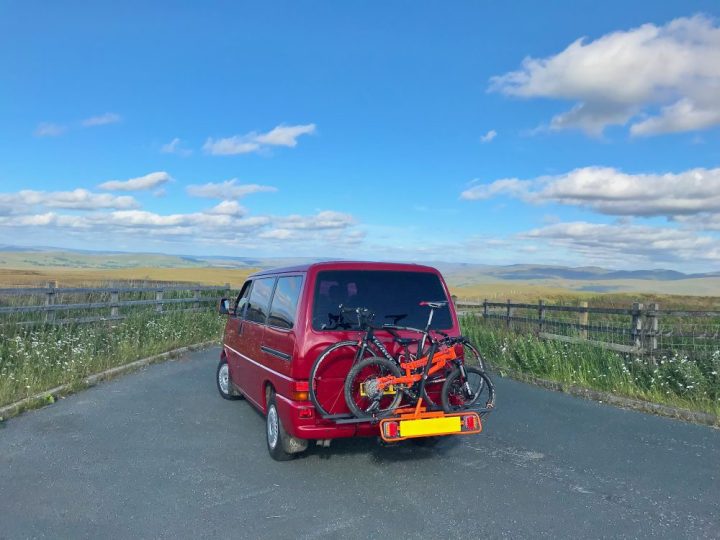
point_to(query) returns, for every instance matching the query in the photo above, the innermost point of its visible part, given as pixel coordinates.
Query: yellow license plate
(389, 391)
(430, 426)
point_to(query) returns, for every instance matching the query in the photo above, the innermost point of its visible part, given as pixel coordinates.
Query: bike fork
(466, 382)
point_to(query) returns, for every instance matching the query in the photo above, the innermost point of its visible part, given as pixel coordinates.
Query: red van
(280, 323)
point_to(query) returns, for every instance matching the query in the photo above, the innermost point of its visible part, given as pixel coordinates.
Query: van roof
(346, 265)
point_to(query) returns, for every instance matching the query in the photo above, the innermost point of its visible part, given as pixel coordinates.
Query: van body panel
(262, 354)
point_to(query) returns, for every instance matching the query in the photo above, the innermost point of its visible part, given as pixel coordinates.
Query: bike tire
(435, 383)
(317, 386)
(454, 397)
(361, 373)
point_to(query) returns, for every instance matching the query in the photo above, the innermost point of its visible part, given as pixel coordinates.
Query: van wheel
(277, 437)
(224, 384)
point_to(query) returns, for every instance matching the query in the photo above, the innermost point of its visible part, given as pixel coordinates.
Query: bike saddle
(434, 305)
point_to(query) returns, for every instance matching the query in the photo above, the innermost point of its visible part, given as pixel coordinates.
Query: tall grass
(36, 359)
(676, 379)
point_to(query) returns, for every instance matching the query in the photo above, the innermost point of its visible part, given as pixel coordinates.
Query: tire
(435, 383)
(364, 372)
(223, 382)
(472, 357)
(454, 397)
(275, 433)
(327, 377)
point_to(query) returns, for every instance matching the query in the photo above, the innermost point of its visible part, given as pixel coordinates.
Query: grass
(93, 277)
(676, 380)
(36, 359)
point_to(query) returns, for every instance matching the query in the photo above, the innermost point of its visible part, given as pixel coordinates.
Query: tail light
(470, 422)
(300, 391)
(307, 414)
(391, 430)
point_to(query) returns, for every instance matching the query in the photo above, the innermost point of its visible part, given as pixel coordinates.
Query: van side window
(257, 310)
(242, 300)
(284, 303)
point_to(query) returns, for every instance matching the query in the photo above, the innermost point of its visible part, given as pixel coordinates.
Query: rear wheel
(327, 377)
(281, 446)
(362, 394)
(460, 392)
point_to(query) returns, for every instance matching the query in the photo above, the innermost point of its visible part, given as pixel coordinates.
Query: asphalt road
(158, 454)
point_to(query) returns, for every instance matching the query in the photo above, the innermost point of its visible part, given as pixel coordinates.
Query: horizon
(312, 259)
(471, 134)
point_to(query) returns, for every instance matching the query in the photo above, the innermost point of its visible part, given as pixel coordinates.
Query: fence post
(158, 301)
(485, 309)
(636, 329)
(50, 300)
(196, 296)
(541, 316)
(114, 297)
(652, 332)
(583, 319)
(508, 324)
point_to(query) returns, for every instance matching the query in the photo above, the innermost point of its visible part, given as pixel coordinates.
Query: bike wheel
(327, 377)
(361, 394)
(460, 392)
(435, 383)
(472, 357)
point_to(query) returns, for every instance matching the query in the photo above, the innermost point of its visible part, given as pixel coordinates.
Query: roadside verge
(678, 413)
(50, 396)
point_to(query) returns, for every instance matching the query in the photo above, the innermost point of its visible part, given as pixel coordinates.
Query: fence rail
(39, 305)
(643, 330)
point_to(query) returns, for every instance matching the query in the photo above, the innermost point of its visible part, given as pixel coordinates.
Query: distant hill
(458, 275)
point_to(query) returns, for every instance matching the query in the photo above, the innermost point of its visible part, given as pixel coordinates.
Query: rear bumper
(317, 428)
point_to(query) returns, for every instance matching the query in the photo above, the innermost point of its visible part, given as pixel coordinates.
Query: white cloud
(175, 147)
(141, 183)
(609, 191)
(229, 189)
(627, 242)
(322, 220)
(489, 136)
(48, 129)
(228, 208)
(506, 186)
(102, 120)
(253, 142)
(285, 135)
(77, 199)
(620, 75)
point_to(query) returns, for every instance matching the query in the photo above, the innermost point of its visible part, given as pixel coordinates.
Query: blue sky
(466, 131)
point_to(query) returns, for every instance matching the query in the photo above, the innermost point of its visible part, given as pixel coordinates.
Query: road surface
(157, 454)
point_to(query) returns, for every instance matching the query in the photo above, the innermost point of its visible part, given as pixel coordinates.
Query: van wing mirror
(224, 308)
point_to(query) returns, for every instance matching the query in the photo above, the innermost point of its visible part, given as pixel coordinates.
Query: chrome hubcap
(223, 378)
(272, 426)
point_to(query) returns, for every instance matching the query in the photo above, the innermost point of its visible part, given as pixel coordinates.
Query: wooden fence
(638, 329)
(41, 305)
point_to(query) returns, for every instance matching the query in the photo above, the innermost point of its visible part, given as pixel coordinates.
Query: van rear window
(393, 296)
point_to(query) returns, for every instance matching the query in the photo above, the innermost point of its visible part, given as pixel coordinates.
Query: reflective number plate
(430, 426)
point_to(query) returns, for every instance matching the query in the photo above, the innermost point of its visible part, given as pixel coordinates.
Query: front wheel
(460, 392)
(362, 394)
(224, 384)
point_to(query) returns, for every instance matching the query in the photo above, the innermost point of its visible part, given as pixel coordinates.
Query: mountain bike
(330, 369)
(375, 385)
